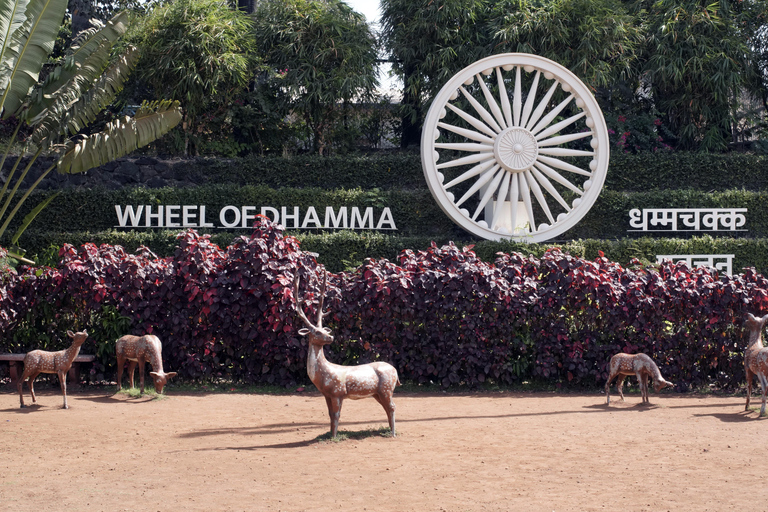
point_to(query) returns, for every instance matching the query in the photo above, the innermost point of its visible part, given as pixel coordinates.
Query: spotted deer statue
(756, 358)
(41, 361)
(140, 350)
(640, 365)
(337, 382)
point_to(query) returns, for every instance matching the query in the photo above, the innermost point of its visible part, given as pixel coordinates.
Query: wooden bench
(16, 362)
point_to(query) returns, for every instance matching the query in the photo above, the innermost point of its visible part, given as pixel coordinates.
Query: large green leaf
(12, 16)
(30, 46)
(72, 112)
(120, 137)
(84, 62)
(31, 216)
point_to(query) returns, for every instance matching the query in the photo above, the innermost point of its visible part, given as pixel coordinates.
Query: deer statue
(756, 358)
(140, 350)
(337, 382)
(624, 365)
(41, 361)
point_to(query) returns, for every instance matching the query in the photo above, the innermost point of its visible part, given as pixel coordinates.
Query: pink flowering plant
(636, 132)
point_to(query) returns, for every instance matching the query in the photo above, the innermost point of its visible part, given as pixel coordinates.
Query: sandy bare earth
(466, 452)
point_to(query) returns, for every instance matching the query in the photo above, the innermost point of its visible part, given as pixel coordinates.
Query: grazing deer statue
(624, 365)
(41, 361)
(756, 358)
(140, 350)
(337, 382)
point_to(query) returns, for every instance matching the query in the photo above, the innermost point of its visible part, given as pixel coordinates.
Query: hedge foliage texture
(439, 315)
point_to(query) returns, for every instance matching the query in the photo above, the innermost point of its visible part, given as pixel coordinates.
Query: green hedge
(626, 172)
(414, 211)
(347, 249)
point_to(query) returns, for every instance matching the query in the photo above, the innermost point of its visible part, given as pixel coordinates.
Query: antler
(300, 310)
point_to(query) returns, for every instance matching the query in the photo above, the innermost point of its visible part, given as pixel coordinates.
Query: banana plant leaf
(120, 137)
(31, 216)
(27, 51)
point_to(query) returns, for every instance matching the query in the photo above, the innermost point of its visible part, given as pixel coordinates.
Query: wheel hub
(516, 149)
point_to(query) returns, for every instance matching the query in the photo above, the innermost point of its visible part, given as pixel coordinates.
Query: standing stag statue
(41, 361)
(337, 382)
(140, 350)
(624, 365)
(756, 358)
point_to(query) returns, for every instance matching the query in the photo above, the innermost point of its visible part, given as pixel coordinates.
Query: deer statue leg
(334, 411)
(31, 384)
(389, 408)
(20, 387)
(750, 376)
(620, 386)
(608, 387)
(142, 364)
(63, 383)
(131, 371)
(120, 364)
(764, 389)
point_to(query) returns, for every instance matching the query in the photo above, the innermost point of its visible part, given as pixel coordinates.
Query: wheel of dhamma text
(515, 146)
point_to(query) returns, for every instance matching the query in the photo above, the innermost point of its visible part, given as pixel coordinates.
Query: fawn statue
(640, 365)
(140, 350)
(337, 382)
(756, 358)
(41, 361)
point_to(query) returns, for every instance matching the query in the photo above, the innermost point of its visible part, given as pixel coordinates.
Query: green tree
(63, 105)
(596, 39)
(698, 61)
(200, 52)
(323, 54)
(428, 41)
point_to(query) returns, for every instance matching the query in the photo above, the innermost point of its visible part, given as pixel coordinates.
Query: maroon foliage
(440, 315)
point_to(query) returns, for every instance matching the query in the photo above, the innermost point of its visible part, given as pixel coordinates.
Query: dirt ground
(467, 452)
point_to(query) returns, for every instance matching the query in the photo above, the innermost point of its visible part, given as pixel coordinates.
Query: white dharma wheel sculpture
(515, 146)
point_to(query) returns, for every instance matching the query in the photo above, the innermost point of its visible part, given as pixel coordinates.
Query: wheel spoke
(559, 126)
(504, 98)
(487, 117)
(489, 193)
(472, 120)
(514, 197)
(501, 198)
(541, 107)
(562, 139)
(565, 166)
(552, 115)
(464, 146)
(525, 193)
(492, 103)
(534, 186)
(518, 95)
(470, 173)
(531, 99)
(549, 188)
(469, 134)
(558, 178)
(482, 180)
(563, 152)
(471, 159)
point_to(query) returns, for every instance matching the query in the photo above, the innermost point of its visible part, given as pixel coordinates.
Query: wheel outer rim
(578, 89)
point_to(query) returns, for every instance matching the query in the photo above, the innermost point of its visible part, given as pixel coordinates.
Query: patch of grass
(343, 435)
(136, 393)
